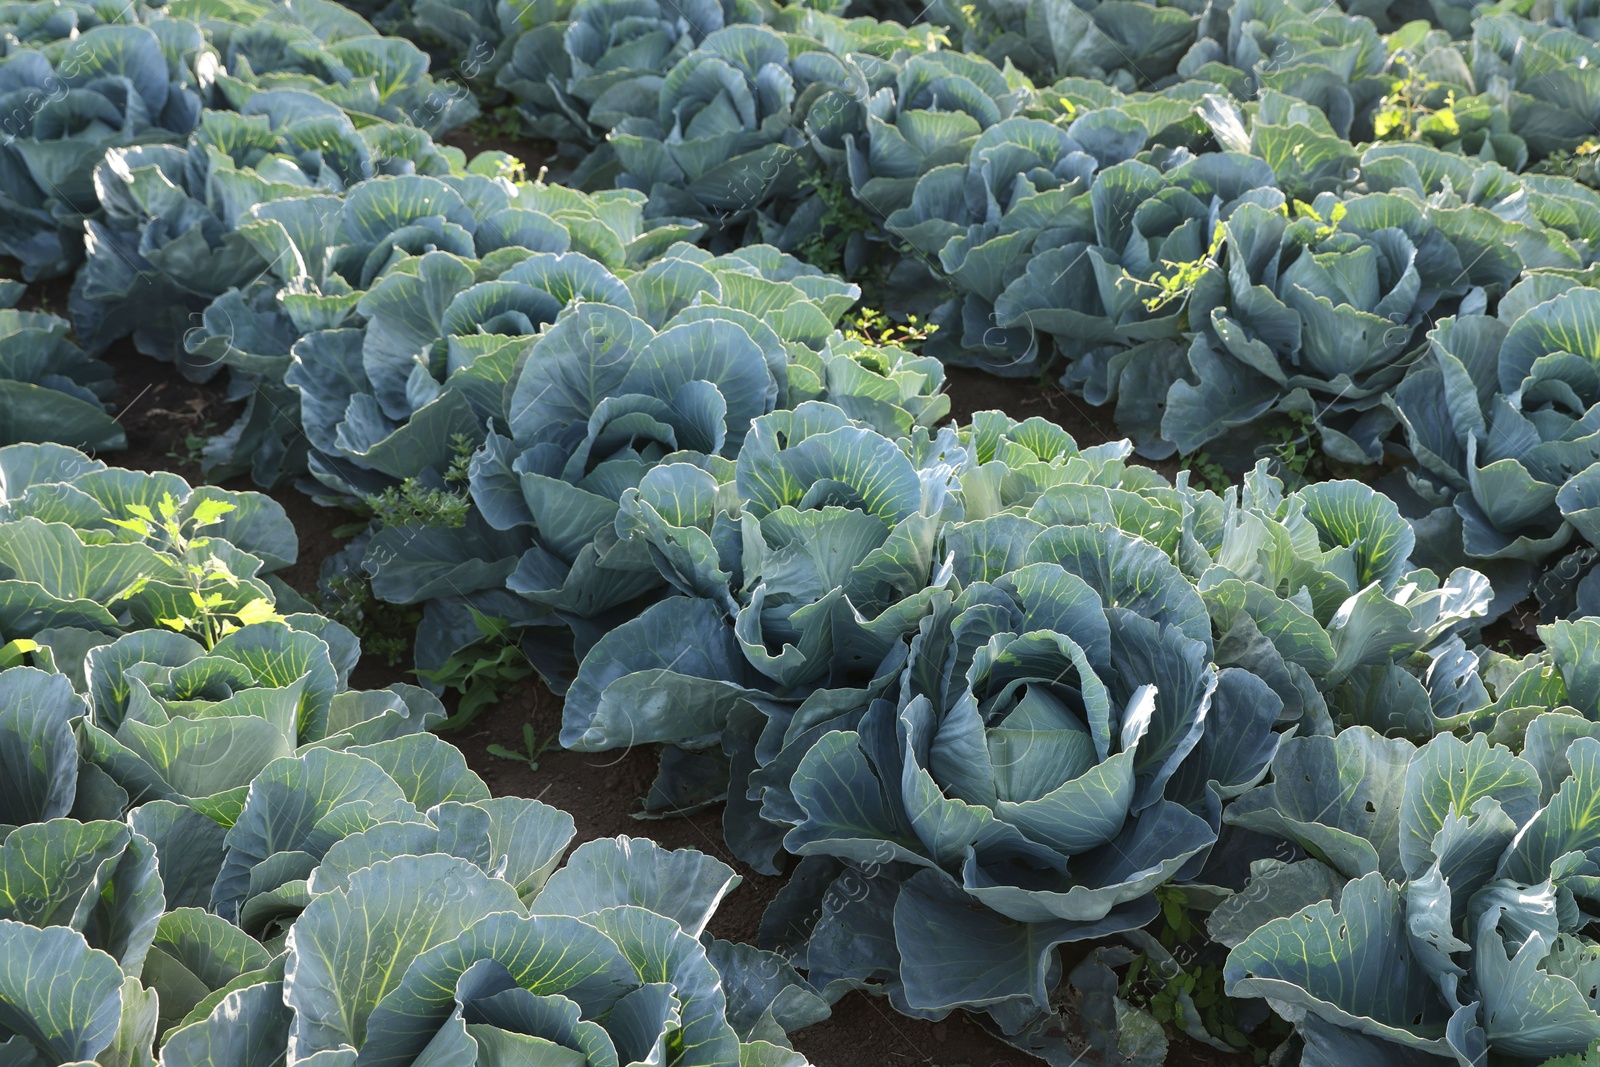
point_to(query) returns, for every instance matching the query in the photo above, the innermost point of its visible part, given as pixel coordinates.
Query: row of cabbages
(77, 80)
(997, 691)
(1207, 266)
(262, 267)
(213, 852)
(1210, 269)
(508, 356)
(1260, 222)
(984, 682)
(728, 111)
(1519, 74)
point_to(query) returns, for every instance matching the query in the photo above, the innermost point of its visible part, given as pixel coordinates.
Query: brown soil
(1022, 398)
(534, 156)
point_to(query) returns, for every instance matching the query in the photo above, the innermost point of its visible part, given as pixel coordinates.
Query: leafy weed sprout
(385, 629)
(1205, 472)
(212, 609)
(481, 671)
(194, 444)
(1178, 281)
(411, 503)
(874, 327)
(1404, 113)
(531, 752)
(1162, 989)
(842, 219)
(502, 123)
(1582, 164)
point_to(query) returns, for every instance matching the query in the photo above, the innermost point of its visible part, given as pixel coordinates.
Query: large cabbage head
(1059, 747)
(1501, 418)
(723, 139)
(108, 88)
(1459, 871)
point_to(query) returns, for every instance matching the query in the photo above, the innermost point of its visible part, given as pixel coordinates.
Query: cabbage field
(769, 533)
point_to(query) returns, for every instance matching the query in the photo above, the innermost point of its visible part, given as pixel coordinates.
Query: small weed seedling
(481, 671)
(531, 752)
(873, 327)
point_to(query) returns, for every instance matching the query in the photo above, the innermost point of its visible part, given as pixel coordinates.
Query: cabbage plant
(1060, 745)
(921, 109)
(52, 390)
(157, 716)
(367, 899)
(1500, 418)
(324, 252)
(985, 790)
(929, 116)
(407, 953)
(1544, 74)
(575, 70)
(722, 138)
(1104, 293)
(110, 87)
(800, 570)
(326, 49)
(1318, 53)
(1455, 869)
(93, 551)
(1124, 43)
(276, 688)
(957, 214)
(1324, 315)
(1317, 593)
(1554, 219)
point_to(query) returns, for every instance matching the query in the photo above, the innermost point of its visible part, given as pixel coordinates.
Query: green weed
(411, 503)
(481, 671)
(530, 753)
